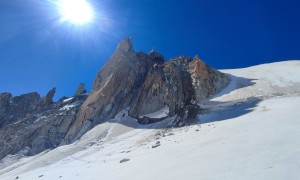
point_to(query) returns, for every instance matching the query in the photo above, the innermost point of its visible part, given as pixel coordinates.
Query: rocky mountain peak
(145, 83)
(125, 46)
(198, 68)
(197, 58)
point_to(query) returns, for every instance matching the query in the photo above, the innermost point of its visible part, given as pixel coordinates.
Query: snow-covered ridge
(262, 81)
(251, 139)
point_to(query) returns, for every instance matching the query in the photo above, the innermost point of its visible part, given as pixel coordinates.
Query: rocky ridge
(30, 124)
(143, 84)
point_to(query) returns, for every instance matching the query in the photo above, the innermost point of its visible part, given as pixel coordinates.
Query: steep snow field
(249, 131)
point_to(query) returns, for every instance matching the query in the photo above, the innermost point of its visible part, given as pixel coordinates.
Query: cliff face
(144, 83)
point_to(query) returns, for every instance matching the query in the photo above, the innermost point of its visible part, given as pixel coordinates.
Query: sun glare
(76, 11)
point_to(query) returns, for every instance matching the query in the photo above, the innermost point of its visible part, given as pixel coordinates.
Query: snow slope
(250, 131)
(264, 81)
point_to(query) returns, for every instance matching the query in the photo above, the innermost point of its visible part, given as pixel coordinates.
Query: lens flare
(76, 11)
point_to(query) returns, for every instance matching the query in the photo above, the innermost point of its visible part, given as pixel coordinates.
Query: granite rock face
(145, 83)
(114, 88)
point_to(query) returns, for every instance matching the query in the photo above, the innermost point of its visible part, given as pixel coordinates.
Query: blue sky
(38, 52)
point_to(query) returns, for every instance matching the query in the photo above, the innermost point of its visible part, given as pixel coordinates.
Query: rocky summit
(139, 83)
(144, 84)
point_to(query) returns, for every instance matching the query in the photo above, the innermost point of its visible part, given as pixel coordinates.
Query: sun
(76, 11)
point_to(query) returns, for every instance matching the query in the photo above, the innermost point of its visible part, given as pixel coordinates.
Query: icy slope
(267, 80)
(250, 139)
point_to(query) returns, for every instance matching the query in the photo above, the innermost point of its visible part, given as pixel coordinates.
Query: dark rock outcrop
(187, 114)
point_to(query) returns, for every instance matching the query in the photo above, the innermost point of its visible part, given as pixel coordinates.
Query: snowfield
(250, 130)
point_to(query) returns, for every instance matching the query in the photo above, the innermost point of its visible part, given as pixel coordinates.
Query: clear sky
(38, 51)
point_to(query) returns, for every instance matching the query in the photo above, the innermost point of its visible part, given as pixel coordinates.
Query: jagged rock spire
(125, 46)
(48, 98)
(80, 90)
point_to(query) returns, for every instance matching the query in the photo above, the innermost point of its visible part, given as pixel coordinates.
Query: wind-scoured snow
(250, 131)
